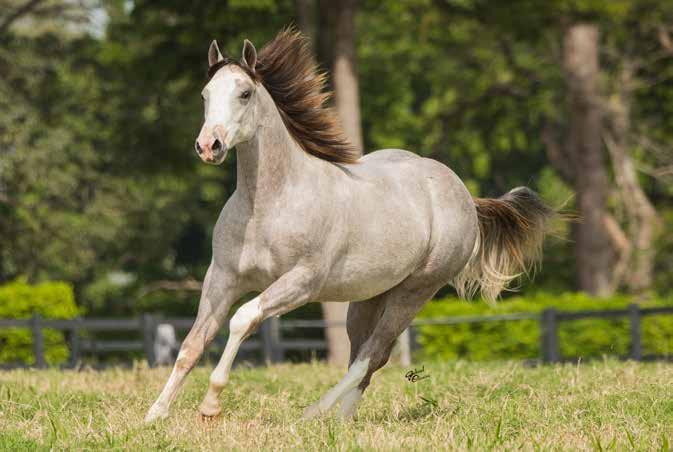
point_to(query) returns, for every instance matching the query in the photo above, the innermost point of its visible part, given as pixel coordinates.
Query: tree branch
(562, 161)
(189, 284)
(26, 8)
(621, 245)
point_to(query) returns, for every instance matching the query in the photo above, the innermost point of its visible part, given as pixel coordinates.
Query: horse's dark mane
(287, 70)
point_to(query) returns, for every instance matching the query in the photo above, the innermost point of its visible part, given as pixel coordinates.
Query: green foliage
(19, 300)
(520, 339)
(97, 130)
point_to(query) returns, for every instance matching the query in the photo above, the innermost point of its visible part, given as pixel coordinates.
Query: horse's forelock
(212, 70)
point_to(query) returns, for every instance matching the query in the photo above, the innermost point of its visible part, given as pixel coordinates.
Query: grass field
(597, 406)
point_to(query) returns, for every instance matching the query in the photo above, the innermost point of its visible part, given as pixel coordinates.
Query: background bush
(20, 300)
(521, 339)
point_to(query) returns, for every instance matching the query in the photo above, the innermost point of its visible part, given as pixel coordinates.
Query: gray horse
(311, 221)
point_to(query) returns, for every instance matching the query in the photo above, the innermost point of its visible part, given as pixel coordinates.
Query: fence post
(278, 352)
(38, 342)
(404, 343)
(549, 337)
(74, 342)
(270, 337)
(148, 331)
(636, 345)
(72, 338)
(413, 338)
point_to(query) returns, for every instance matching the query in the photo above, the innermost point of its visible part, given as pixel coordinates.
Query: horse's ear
(214, 54)
(249, 55)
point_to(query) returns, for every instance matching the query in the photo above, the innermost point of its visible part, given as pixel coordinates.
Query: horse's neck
(270, 160)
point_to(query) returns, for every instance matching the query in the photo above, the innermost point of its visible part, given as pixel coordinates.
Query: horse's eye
(245, 94)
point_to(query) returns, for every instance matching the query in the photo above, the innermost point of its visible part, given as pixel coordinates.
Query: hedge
(520, 339)
(20, 300)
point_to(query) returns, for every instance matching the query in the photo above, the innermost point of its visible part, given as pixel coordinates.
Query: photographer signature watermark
(415, 375)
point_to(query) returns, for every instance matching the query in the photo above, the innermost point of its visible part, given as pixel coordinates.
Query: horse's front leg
(290, 291)
(218, 294)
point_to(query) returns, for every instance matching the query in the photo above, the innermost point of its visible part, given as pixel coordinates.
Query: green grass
(596, 406)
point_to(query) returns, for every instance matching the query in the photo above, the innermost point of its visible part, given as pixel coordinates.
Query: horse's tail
(511, 231)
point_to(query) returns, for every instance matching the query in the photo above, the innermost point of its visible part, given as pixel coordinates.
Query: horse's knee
(187, 357)
(184, 364)
(246, 318)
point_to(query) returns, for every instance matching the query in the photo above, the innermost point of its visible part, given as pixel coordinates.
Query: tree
(99, 183)
(345, 80)
(341, 43)
(345, 76)
(584, 151)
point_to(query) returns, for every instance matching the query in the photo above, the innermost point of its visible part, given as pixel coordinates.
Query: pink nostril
(206, 145)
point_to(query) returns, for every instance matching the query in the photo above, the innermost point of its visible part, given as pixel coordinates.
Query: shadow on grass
(424, 408)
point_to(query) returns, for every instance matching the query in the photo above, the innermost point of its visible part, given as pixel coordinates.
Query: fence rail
(272, 345)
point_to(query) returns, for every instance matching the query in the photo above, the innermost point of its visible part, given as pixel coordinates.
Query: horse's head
(230, 103)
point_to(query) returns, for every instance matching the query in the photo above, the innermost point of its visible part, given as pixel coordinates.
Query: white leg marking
(244, 316)
(159, 410)
(156, 411)
(349, 403)
(350, 381)
(239, 326)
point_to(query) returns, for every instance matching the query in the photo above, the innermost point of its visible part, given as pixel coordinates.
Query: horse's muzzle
(213, 154)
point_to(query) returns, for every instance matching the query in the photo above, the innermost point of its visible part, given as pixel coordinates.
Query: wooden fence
(272, 344)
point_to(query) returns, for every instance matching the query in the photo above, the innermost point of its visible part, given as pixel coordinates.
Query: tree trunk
(338, 344)
(325, 36)
(593, 250)
(305, 10)
(346, 92)
(337, 50)
(641, 217)
(347, 101)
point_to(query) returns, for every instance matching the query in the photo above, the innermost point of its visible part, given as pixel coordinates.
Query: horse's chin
(216, 159)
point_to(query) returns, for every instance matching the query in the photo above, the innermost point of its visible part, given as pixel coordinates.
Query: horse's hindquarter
(405, 214)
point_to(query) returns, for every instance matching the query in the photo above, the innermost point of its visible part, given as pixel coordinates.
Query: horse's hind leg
(361, 321)
(360, 324)
(400, 305)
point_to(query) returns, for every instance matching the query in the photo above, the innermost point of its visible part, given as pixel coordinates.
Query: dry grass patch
(601, 405)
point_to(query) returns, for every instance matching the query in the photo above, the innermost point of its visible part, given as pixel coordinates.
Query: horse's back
(417, 173)
(389, 155)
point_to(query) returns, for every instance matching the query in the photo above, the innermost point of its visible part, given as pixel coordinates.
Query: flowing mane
(288, 71)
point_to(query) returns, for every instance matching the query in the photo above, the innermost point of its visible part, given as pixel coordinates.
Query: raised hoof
(208, 419)
(209, 410)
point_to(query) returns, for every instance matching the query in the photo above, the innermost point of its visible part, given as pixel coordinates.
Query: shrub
(19, 300)
(521, 339)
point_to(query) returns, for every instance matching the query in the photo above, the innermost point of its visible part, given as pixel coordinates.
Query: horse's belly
(360, 285)
(374, 267)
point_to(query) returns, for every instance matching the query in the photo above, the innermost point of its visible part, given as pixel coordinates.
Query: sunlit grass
(596, 406)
